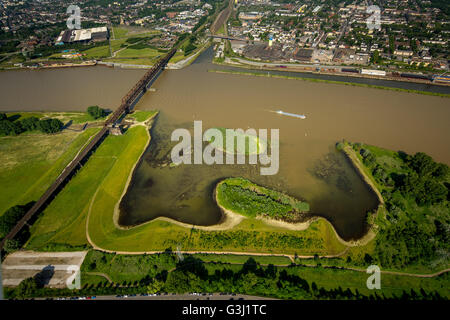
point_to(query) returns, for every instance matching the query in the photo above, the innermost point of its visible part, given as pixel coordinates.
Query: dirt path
(100, 274)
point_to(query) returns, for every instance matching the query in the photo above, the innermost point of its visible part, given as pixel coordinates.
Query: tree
(441, 171)
(155, 286)
(96, 112)
(422, 163)
(26, 288)
(3, 116)
(30, 124)
(11, 245)
(9, 219)
(376, 57)
(50, 125)
(189, 48)
(9, 128)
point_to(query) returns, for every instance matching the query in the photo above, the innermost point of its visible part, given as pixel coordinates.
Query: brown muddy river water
(310, 168)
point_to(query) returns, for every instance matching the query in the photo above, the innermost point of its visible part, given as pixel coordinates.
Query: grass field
(64, 220)
(116, 44)
(179, 55)
(119, 32)
(141, 115)
(97, 52)
(139, 53)
(121, 268)
(241, 259)
(354, 280)
(221, 30)
(123, 32)
(134, 61)
(65, 117)
(30, 162)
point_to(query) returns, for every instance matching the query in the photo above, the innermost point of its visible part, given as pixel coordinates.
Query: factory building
(83, 35)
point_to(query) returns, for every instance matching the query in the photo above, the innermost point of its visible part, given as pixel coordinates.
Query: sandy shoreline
(147, 124)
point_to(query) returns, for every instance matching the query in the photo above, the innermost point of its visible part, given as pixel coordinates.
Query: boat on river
(300, 116)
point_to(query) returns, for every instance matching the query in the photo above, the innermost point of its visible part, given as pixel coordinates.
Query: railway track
(127, 102)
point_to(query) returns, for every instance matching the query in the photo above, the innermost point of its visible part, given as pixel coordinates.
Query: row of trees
(8, 220)
(191, 275)
(9, 127)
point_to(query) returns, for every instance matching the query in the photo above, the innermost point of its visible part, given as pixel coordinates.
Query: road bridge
(228, 38)
(113, 120)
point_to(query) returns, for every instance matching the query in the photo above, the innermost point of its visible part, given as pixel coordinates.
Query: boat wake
(294, 115)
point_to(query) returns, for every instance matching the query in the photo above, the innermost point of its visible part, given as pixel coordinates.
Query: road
(166, 296)
(198, 296)
(275, 64)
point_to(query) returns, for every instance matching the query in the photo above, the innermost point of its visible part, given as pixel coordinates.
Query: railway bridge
(128, 102)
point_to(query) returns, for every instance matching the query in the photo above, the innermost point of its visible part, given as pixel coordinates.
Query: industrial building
(83, 35)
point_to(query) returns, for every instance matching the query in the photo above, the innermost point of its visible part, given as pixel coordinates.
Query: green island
(252, 256)
(246, 198)
(252, 143)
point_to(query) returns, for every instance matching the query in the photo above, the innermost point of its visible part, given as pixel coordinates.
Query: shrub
(50, 125)
(30, 124)
(96, 112)
(9, 128)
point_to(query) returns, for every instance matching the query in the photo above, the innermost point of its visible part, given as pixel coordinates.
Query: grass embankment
(97, 52)
(241, 259)
(190, 58)
(119, 268)
(30, 162)
(246, 198)
(142, 116)
(269, 75)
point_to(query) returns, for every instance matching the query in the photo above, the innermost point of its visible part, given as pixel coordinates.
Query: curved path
(100, 274)
(289, 256)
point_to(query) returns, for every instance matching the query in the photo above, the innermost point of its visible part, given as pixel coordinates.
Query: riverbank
(269, 75)
(145, 122)
(316, 69)
(53, 65)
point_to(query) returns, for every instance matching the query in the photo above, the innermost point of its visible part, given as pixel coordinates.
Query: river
(310, 168)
